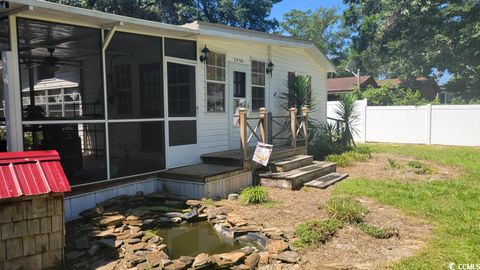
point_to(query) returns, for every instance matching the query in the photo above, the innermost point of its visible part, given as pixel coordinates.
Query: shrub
(420, 167)
(348, 158)
(378, 232)
(346, 210)
(254, 195)
(315, 232)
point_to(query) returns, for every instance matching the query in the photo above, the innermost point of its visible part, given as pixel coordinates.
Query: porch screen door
(182, 115)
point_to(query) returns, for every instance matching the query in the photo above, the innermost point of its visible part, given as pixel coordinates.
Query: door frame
(233, 131)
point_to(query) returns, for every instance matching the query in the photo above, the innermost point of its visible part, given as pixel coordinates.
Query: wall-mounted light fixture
(204, 56)
(270, 68)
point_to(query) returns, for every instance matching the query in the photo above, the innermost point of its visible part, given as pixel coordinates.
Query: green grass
(348, 158)
(346, 210)
(315, 232)
(452, 207)
(419, 167)
(254, 195)
(378, 232)
(394, 164)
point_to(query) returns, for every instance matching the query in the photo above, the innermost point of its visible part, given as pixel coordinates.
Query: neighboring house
(428, 87)
(124, 99)
(338, 86)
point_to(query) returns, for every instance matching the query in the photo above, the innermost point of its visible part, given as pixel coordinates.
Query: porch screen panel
(134, 65)
(134, 77)
(61, 80)
(4, 34)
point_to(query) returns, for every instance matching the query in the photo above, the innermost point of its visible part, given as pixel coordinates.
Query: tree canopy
(324, 26)
(249, 14)
(412, 38)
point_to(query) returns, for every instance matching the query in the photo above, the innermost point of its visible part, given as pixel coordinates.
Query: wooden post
(305, 124)
(293, 127)
(270, 127)
(263, 128)
(243, 136)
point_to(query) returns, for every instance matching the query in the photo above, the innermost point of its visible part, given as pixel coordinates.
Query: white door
(181, 117)
(239, 95)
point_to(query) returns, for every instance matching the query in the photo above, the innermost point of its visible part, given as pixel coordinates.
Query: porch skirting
(194, 190)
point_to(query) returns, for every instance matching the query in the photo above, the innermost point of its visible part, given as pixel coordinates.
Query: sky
(286, 5)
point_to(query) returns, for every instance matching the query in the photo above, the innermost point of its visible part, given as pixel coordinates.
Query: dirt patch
(395, 167)
(350, 248)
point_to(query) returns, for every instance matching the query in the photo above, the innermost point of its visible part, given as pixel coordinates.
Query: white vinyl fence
(429, 124)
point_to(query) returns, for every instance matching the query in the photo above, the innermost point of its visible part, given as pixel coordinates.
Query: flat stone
(223, 231)
(109, 266)
(258, 239)
(274, 233)
(176, 219)
(193, 203)
(93, 249)
(155, 240)
(118, 243)
(104, 233)
(276, 246)
(147, 237)
(289, 256)
(112, 220)
(264, 257)
(108, 242)
(155, 258)
(92, 212)
(202, 261)
(137, 246)
(181, 263)
(81, 242)
(224, 260)
(134, 240)
(138, 235)
(74, 255)
(252, 260)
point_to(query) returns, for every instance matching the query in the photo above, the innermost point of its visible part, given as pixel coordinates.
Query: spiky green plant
(254, 195)
(348, 113)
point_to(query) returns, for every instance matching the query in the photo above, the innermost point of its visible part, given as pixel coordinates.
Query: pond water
(192, 239)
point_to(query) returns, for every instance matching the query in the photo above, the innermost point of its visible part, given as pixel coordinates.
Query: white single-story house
(123, 98)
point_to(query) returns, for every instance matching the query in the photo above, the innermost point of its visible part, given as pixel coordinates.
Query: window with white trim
(258, 85)
(216, 82)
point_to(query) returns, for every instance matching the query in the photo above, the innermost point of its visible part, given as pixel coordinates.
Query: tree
(412, 38)
(323, 26)
(248, 14)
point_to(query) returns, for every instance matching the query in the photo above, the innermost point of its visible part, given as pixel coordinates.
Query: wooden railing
(264, 133)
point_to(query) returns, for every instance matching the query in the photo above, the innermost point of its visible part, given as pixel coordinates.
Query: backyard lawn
(451, 207)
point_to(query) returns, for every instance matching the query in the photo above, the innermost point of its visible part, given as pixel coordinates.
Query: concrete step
(291, 163)
(295, 179)
(326, 180)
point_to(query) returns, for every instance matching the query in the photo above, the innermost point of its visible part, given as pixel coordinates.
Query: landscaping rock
(233, 196)
(223, 231)
(193, 203)
(156, 259)
(276, 246)
(134, 241)
(93, 249)
(274, 233)
(74, 255)
(112, 220)
(229, 259)
(264, 258)
(255, 238)
(180, 264)
(252, 260)
(202, 261)
(81, 242)
(108, 242)
(92, 212)
(289, 257)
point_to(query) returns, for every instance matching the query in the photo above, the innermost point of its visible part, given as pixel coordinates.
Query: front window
(216, 82)
(258, 85)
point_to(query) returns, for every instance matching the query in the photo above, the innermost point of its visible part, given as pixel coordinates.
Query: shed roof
(345, 84)
(31, 173)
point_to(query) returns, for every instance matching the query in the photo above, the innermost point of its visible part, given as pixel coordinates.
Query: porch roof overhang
(229, 32)
(43, 10)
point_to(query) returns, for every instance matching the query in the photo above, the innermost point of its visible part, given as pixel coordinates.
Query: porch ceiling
(43, 10)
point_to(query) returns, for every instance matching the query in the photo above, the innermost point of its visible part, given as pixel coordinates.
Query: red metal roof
(31, 173)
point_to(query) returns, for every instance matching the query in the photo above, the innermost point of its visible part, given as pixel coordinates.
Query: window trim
(216, 82)
(257, 85)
